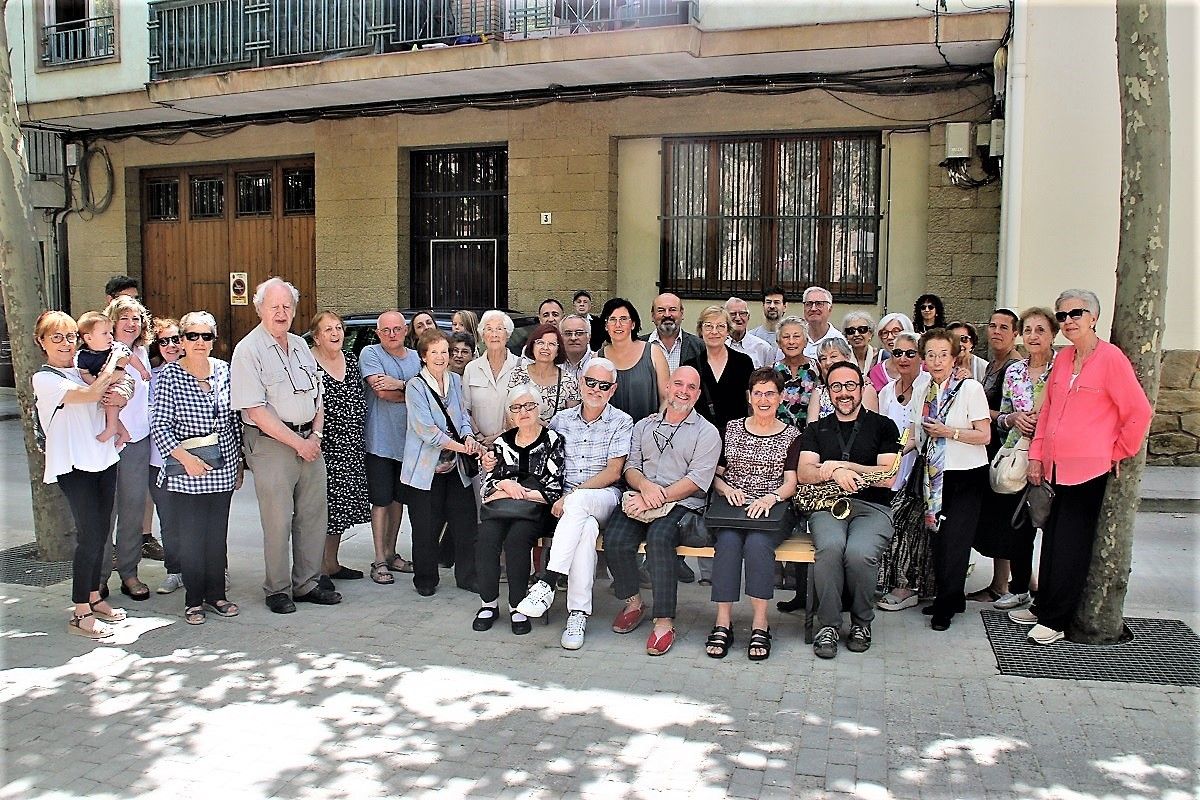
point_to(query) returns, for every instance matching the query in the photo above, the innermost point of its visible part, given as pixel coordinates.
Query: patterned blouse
(556, 396)
(183, 410)
(538, 465)
(754, 463)
(1021, 392)
(797, 391)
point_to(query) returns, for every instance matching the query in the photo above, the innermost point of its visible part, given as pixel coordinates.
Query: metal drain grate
(19, 565)
(1161, 651)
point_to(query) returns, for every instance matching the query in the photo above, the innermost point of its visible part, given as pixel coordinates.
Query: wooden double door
(204, 224)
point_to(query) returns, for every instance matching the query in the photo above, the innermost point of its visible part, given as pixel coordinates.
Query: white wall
(717, 14)
(33, 86)
(1070, 202)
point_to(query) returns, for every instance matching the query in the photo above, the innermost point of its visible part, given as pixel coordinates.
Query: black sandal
(759, 640)
(721, 638)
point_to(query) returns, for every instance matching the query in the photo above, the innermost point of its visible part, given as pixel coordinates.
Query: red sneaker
(629, 619)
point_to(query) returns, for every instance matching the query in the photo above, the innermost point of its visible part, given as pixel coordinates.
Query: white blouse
(969, 405)
(70, 430)
(905, 415)
(136, 413)
(484, 395)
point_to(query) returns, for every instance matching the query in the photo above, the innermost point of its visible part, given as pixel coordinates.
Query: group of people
(596, 436)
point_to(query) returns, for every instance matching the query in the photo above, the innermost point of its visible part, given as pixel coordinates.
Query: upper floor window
(78, 31)
(741, 214)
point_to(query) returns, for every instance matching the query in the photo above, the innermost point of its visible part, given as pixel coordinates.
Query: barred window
(299, 192)
(208, 197)
(162, 199)
(254, 194)
(742, 214)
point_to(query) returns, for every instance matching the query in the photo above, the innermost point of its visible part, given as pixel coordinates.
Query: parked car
(360, 328)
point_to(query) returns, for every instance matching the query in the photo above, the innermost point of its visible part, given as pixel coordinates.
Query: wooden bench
(795, 550)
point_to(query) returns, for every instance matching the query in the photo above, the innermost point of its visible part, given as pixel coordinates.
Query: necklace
(901, 395)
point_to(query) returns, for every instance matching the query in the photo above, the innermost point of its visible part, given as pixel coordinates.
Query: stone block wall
(963, 235)
(1175, 431)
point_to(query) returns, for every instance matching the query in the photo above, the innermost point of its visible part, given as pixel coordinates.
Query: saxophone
(830, 496)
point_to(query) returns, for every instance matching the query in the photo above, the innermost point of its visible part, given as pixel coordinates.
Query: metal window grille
(43, 153)
(78, 40)
(299, 192)
(254, 194)
(162, 199)
(744, 213)
(207, 197)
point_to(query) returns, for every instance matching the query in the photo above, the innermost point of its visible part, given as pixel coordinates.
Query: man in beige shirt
(276, 387)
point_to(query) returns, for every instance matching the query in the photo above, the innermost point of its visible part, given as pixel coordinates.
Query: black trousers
(1067, 542)
(516, 538)
(962, 496)
(203, 521)
(168, 526)
(446, 502)
(90, 496)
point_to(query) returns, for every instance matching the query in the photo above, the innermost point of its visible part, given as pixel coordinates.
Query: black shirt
(876, 435)
(722, 401)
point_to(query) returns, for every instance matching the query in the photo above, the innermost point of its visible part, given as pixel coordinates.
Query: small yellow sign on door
(238, 291)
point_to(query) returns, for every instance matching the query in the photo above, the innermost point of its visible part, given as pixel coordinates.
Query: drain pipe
(1009, 247)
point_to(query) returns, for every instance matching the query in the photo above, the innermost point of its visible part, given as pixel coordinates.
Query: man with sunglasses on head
(671, 465)
(276, 387)
(841, 447)
(597, 438)
(818, 307)
(387, 368)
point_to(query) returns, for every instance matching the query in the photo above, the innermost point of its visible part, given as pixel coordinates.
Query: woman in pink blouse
(1094, 416)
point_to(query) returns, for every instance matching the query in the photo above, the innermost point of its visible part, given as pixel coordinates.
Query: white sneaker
(572, 637)
(1009, 600)
(171, 583)
(1043, 635)
(1023, 616)
(538, 600)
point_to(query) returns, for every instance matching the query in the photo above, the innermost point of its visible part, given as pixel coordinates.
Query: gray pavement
(390, 694)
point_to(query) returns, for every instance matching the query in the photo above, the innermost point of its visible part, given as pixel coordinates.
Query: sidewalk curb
(1169, 505)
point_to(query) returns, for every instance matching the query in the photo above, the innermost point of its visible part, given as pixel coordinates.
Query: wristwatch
(318, 434)
(956, 432)
(778, 499)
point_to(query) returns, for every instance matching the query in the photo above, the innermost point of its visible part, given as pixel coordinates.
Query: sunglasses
(1074, 313)
(170, 339)
(965, 339)
(904, 354)
(858, 330)
(596, 383)
(848, 386)
(929, 307)
(192, 336)
(517, 408)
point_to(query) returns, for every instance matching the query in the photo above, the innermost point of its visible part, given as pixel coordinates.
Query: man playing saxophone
(846, 447)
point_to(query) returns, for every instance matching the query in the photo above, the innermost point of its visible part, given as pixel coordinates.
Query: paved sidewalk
(390, 694)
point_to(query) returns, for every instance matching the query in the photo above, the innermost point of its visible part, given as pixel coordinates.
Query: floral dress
(561, 394)
(344, 448)
(1020, 393)
(797, 391)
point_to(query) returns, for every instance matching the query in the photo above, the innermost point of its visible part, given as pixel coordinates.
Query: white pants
(573, 552)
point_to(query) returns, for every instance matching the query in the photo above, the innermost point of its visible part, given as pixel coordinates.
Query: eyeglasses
(904, 354)
(192, 336)
(396, 331)
(59, 338)
(816, 303)
(596, 383)
(846, 386)
(858, 330)
(1074, 313)
(517, 408)
(714, 326)
(546, 343)
(312, 385)
(169, 339)
(574, 334)
(739, 314)
(767, 395)
(620, 320)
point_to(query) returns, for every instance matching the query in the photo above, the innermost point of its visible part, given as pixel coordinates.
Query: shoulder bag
(470, 464)
(1009, 470)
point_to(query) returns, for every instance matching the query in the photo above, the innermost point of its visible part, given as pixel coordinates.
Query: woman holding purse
(194, 427)
(440, 452)
(517, 494)
(1023, 392)
(751, 481)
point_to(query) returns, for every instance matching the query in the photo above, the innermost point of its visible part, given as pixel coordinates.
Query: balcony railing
(78, 41)
(192, 37)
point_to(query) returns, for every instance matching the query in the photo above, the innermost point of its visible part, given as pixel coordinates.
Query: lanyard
(853, 435)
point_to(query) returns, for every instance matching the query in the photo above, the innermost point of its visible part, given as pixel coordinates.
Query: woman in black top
(724, 372)
(529, 470)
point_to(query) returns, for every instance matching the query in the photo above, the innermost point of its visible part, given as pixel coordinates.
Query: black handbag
(693, 531)
(1034, 505)
(506, 508)
(206, 448)
(470, 464)
(721, 514)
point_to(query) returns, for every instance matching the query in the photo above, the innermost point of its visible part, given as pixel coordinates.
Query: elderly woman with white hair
(518, 491)
(830, 352)
(1094, 416)
(859, 328)
(194, 427)
(485, 379)
(884, 370)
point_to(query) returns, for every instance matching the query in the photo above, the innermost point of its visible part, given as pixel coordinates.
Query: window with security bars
(742, 214)
(208, 197)
(299, 192)
(162, 199)
(254, 194)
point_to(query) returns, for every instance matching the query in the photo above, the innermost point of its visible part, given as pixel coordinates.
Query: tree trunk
(1141, 285)
(24, 299)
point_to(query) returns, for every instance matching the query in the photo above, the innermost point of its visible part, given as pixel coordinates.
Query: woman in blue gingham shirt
(192, 400)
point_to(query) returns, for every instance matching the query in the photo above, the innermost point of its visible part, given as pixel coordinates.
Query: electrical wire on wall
(89, 204)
